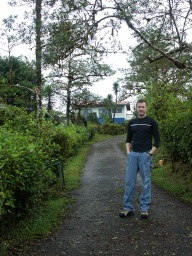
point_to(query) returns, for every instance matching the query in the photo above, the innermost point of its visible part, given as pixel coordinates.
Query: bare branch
(185, 23)
(177, 63)
(180, 49)
(23, 87)
(175, 25)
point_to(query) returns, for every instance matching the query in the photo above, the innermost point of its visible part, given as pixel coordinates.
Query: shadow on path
(94, 227)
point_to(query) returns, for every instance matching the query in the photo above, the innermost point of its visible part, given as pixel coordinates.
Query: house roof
(124, 102)
(101, 104)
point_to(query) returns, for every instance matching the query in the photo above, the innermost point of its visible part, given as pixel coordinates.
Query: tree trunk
(68, 105)
(38, 25)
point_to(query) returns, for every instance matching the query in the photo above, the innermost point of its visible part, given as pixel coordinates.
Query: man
(140, 149)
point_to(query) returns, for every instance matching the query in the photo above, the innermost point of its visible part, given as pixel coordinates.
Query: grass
(39, 223)
(177, 183)
(48, 215)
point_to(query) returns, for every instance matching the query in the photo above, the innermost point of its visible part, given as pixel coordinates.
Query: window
(128, 107)
(86, 112)
(102, 111)
(118, 110)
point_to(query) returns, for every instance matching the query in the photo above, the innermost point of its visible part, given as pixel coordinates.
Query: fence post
(60, 170)
(61, 175)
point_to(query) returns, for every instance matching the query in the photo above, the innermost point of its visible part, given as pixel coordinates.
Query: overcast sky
(102, 88)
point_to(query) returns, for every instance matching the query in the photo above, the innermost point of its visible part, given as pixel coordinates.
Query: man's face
(141, 109)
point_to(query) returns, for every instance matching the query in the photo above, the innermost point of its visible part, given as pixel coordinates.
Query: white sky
(102, 88)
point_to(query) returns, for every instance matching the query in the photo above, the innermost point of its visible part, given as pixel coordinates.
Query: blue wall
(116, 121)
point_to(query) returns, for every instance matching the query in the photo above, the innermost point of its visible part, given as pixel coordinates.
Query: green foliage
(82, 97)
(16, 71)
(17, 119)
(24, 174)
(107, 118)
(92, 117)
(112, 129)
(28, 149)
(173, 110)
(109, 106)
(49, 92)
(70, 138)
(78, 119)
(177, 183)
(92, 130)
(176, 131)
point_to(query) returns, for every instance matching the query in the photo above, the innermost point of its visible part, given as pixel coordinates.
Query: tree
(59, 33)
(9, 37)
(156, 79)
(19, 89)
(49, 92)
(109, 105)
(74, 52)
(83, 98)
(160, 17)
(38, 54)
(116, 90)
(77, 73)
(37, 28)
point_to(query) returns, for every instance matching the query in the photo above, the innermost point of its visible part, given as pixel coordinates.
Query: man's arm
(129, 139)
(128, 147)
(152, 151)
(156, 136)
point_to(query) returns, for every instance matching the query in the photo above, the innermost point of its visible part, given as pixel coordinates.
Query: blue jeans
(138, 162)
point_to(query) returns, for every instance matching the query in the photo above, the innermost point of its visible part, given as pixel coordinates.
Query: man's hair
(141, 101)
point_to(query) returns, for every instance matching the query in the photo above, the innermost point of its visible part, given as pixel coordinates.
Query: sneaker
(145, 214)
(125, 213)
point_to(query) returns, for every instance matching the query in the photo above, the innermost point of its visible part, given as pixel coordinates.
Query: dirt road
(94, 227)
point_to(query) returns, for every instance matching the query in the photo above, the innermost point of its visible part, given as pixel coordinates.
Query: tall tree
(170, 21)
(49, 93)
(156, 80)
(83, 98)
(9, 36)
(38, 52)
(9, 39)
(109, 105)
(115, 90)
(77, 73)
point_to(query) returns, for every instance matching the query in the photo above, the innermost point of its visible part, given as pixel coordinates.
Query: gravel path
(94, 227)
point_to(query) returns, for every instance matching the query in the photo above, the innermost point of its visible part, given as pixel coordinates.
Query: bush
(92, 118)
(70, 138)
(112, 129)
(18, 119)
(92, 130)
(176, 133)
(24, 174)
(28, 147)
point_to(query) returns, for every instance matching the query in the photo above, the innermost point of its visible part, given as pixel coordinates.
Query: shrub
(70, 138)
(24, 174)
(177, 138)
(112, 129)
(92, 118)
(28, 149)
(92, 130)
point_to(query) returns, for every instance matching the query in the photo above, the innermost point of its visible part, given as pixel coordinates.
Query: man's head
(141, 108)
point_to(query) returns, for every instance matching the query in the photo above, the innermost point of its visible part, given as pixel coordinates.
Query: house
(122, 114)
